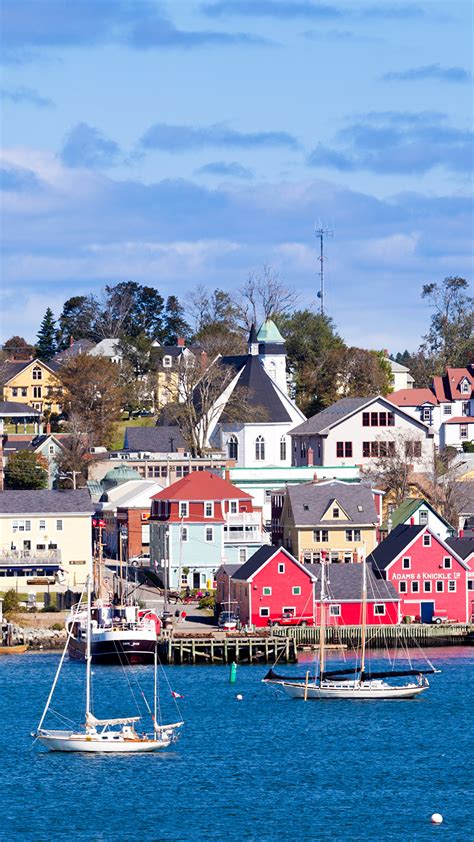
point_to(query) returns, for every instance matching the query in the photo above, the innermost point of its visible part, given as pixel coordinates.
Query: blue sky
(188, 143)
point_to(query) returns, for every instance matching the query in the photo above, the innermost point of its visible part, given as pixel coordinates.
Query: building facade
(35, 383)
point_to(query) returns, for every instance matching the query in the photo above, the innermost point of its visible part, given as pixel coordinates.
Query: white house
(260, 439)
(360, 431)
(416, 511)
(401, 376)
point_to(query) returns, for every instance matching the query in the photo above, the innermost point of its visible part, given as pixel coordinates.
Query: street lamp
(71, 475)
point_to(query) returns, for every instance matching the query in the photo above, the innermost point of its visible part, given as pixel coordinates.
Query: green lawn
(119, 431)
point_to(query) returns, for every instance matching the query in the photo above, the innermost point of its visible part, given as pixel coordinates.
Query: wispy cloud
(17, 179)
(340, 35)
(393, 142)
(139, 24)
(299, 9)
(22, 94)
(222, 168)
(179, 138)
(85, 146)
(428, 71)
(283, 9)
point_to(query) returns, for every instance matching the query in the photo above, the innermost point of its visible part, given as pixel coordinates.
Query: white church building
(259, 439)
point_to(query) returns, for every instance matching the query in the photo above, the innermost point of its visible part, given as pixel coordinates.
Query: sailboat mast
(364, 615)
(155, 688)
(88, 652)
(322, 620)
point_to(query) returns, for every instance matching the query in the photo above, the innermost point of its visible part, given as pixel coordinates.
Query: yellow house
(338, 518)
(34, 382)
(169, 360)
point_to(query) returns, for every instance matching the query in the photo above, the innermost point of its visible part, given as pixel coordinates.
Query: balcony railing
(29, 557)
(243, 519)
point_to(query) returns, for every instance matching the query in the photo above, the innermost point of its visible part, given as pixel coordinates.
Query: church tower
(272, 353)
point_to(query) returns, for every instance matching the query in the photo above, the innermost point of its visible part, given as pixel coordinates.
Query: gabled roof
(259, 390)
(310, 501)
(202, 485)
(394, 544)
(408, 508)
(154, 439)
(108, 347)
(259, 558)
(324, 420)
(46, 502)
(464, 547)
(447, 386)
(344, 583)
(10, 409)
(77, 347)
(228, 569)
(460, 419)
(9, 370)
(413, 397)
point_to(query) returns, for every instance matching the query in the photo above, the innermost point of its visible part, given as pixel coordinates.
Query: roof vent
(360, 508)
(306, 507)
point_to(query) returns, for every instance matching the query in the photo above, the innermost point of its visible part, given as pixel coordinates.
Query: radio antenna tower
(321, 233)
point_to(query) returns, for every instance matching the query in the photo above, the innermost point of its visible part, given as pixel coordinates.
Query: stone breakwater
(37, 638)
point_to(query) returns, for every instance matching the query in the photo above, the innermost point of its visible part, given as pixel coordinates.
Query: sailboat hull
(111, 647)
(97, 744)
(351, 690)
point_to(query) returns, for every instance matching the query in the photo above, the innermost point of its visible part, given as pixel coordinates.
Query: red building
(464, 547)
(273, 586)
(429, 575)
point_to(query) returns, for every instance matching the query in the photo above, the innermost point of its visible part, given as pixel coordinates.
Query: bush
(50, 609)
(208, 601)
(57, 627)
(468, 446)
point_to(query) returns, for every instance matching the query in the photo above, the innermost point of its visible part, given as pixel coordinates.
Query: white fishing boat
(354, 682)
(118, 734)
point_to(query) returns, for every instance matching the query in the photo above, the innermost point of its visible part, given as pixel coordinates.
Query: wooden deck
(222, 648)
(458, 634)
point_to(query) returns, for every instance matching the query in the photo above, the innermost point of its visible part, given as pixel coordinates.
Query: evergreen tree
(46, 345)
(175, 325)
(26, 470)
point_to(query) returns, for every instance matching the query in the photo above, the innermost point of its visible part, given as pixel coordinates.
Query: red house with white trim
(429, 575)
(344, 591)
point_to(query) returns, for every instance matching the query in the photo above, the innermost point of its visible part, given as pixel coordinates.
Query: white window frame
(242, 555)
(336, 512)
(183, 508)
(426, 414)
(233, 507)
(447, 562)
(379, 609)
(264, 611)
(423, 517)
(403, 586)
(37, 373)
(415, 586)
(209, 531)
(463, 431)
(439, 586)
(406, 563)
(211, 505)
(266, 590)
(334, 610)
(452, 586)
(281, 566)
(59, 525)
(42, 525)
(427, 539)
(296, 590)
(167, 361)
(184, 534)
(427, 586)
(447, 409)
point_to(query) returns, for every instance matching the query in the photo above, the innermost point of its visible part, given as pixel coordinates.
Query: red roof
(202, 485)
(412, 397)
(462, 419)
(447, 386)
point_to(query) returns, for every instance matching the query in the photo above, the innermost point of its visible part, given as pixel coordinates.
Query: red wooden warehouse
(430, 577)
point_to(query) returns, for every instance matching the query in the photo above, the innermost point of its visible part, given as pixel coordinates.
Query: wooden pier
(457, 634)
(222, 648)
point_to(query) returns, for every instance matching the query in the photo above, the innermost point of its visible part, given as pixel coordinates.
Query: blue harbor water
(266, 768)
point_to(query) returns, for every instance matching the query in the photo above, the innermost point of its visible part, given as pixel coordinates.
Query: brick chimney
(461, 533)
(48, 428)
(412, 521)
(180, 342)
(310, 457)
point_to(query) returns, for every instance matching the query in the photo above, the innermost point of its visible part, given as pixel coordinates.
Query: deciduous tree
(93, 393)
(451, 336)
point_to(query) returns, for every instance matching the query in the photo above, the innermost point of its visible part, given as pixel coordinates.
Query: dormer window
(335, 512)
(183, 509)
(37, 374)
(465, 386)
(167, 362)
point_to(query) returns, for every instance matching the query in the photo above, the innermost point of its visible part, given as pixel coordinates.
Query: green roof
(407, 509)
(269, 332)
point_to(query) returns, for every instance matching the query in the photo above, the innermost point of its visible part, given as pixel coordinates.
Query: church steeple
(272, 353)
(253, 341)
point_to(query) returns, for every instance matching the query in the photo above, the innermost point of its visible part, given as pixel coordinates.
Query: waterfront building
(429, 575)
(199, 523)
(360, 431)
(417, 511)
(45, 537)
(125, 510)
(274, 588)
(339, 519)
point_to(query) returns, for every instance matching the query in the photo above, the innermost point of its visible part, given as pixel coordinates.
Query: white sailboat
(119, 734)
(356, 682)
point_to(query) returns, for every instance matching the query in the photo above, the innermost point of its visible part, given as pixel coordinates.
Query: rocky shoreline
(37, 638)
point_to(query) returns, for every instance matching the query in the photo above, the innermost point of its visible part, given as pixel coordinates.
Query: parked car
(289, 619)
(142, 560)
(227, 621)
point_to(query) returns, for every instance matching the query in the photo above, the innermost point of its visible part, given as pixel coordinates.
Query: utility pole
(321, 233)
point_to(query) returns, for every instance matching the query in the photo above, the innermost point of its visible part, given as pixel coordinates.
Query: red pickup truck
(290, 619)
